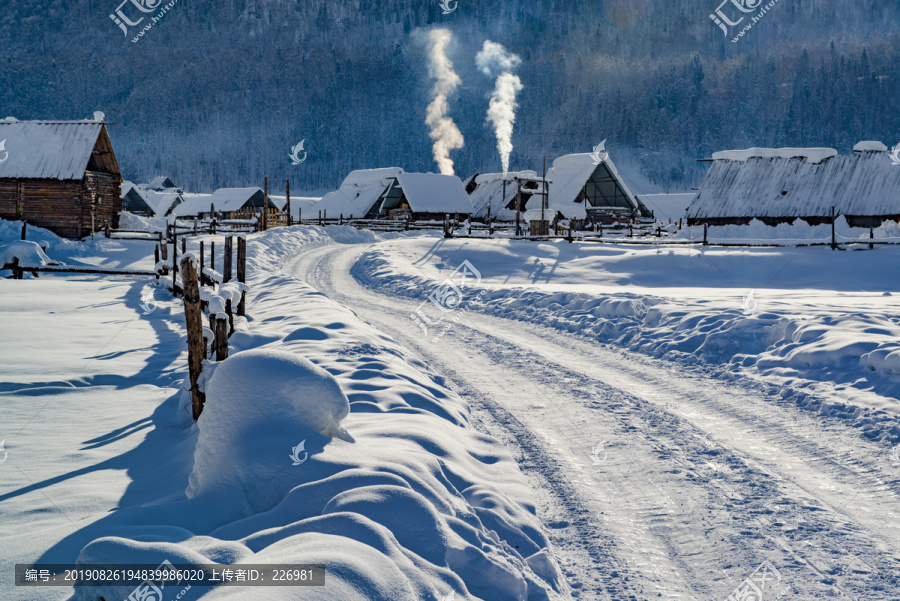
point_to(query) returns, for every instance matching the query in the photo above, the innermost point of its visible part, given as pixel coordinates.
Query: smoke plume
(444, 132)
(494, 58)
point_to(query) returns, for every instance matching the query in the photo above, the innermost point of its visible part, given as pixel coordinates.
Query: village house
(423, 197)
(581, 187)
(497, 196)
(227, 202)
(60, 175)
(358, 193)
(784, 184)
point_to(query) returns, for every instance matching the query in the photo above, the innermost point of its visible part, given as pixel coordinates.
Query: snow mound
(29, 254)
(298, 395)
(813, 156)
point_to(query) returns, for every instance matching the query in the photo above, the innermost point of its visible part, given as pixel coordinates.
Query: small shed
(61, 175)
(779, 185)
(496, 195)
(581, 187)
(358, 193)
(423, 197)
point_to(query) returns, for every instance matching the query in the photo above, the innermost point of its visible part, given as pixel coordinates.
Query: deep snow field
(401, 494)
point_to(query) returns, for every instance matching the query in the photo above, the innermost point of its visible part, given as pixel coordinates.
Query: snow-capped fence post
(230, 313)
(833, 244)
(446, 226)
(193, 319)
(163, 247)
(106, 229)
(226, 270)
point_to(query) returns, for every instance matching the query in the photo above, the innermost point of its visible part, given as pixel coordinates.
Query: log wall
(62, 206)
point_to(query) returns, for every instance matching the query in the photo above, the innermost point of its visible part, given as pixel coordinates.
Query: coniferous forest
(217, 93)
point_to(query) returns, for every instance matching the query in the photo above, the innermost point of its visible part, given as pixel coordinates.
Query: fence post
(705, 239)
(833, 245)
(242, 273)
(202, 265)
(175, 261)
(230, 313)
(871, 237)
(266, 206)
(24, 228)
(221, 337)
(163, 248)
(226, 267)
(196, 345)
(287, 206)
(184, 246)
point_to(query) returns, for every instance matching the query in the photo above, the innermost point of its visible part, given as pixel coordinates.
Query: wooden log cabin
(61, 175)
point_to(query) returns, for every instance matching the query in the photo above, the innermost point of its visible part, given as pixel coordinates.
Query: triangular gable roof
(131, 193)
(433, 193)
(53, 149)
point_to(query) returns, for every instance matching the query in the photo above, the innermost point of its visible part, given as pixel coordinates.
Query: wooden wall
(62, 206)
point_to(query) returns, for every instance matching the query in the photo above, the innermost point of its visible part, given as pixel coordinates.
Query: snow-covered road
(657, 479)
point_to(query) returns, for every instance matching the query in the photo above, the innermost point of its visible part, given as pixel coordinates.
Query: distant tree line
(217, 93)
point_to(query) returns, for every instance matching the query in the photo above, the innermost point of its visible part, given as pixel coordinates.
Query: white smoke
(494, 58)
(444, 132)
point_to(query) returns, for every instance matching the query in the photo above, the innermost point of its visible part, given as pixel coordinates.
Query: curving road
(658, 482)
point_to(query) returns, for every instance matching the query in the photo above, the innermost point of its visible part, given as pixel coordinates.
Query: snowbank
(130, 221)
(415, 505)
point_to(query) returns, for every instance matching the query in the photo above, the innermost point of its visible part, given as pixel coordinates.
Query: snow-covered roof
(668, 206)
(434, 193)
(567, 178)
(366, 177)
(193, 205)
(162, 202)
(489, 192)
(161, 183)
(870, 146)
(865, 184)
(359, 191)
(47, 150)
(813, 156)
(233, 199)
